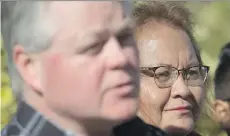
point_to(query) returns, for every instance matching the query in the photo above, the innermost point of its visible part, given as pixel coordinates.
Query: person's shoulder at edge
(136, 127)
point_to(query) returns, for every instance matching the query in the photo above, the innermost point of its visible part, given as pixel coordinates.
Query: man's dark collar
(28, 121)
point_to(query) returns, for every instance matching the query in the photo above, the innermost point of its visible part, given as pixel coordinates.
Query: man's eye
(126, 39)
(93, 49)
(96, 49)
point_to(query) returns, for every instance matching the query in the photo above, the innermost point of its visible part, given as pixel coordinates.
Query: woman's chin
(179, 128)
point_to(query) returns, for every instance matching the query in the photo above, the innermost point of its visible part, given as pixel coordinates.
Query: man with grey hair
(74, 67)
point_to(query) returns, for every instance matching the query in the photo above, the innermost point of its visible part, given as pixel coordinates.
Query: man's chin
(127, 112)
(122, 115)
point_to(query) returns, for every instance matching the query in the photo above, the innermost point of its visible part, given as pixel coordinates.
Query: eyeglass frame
(183, 71)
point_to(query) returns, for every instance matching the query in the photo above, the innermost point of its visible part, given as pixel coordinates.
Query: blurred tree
(212, 31)
(8, 104)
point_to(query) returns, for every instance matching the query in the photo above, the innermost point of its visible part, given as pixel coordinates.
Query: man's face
(222, 112)
(91, 69)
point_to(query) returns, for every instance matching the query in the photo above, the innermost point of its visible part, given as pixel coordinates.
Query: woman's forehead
(167, 45)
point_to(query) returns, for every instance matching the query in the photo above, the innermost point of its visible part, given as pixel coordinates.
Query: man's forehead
(78, 19)
(89, 11)
(127, 8)
(91, 5)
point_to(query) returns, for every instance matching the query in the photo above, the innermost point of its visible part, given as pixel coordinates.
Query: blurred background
(212, 31)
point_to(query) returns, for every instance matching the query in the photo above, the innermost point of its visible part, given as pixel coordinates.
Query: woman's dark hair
(173, 13)
(222, 74)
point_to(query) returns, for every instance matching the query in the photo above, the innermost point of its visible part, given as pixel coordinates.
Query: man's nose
(116, 57)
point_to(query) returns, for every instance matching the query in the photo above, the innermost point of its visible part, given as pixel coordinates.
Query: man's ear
(222, 111)
(27, 67)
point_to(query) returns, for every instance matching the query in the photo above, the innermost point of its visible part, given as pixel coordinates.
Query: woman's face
(163, 45)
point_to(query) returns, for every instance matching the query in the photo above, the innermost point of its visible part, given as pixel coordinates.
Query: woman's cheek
(199, 95)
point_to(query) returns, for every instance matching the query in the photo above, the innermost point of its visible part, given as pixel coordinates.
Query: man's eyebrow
(104, 33)
(96, 34)
(127, 26)
(99, 33)
(87, 40)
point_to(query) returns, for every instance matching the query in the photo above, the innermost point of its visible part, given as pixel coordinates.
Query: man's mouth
(126, 89)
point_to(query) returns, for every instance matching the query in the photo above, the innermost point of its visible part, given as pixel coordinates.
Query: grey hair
(24, 23)
(27, 23)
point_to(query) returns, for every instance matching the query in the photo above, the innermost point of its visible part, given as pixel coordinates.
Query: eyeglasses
(165, 76)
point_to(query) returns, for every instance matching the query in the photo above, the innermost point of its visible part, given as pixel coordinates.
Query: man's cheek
(96, 74)
(53, 70)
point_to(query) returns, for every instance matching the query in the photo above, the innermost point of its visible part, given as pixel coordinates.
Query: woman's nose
(180, 88)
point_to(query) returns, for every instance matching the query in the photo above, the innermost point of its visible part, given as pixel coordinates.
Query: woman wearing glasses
(173, 76)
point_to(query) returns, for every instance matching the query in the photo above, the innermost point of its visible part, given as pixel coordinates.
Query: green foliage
(8, 104)
(212, 31)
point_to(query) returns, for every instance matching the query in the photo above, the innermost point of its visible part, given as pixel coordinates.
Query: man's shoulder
(27, 122)
(39, 127)
(11, 129)
(137, 127)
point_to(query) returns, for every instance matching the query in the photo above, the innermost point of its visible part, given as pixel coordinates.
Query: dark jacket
(137, 127)
(194, 134)
(28, 122)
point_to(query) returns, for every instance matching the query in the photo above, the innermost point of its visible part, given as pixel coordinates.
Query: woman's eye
(149, 73)
(166, 73)
(192, 74)
(163, 75)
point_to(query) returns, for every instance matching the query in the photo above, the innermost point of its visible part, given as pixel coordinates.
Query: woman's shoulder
(136, 127)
